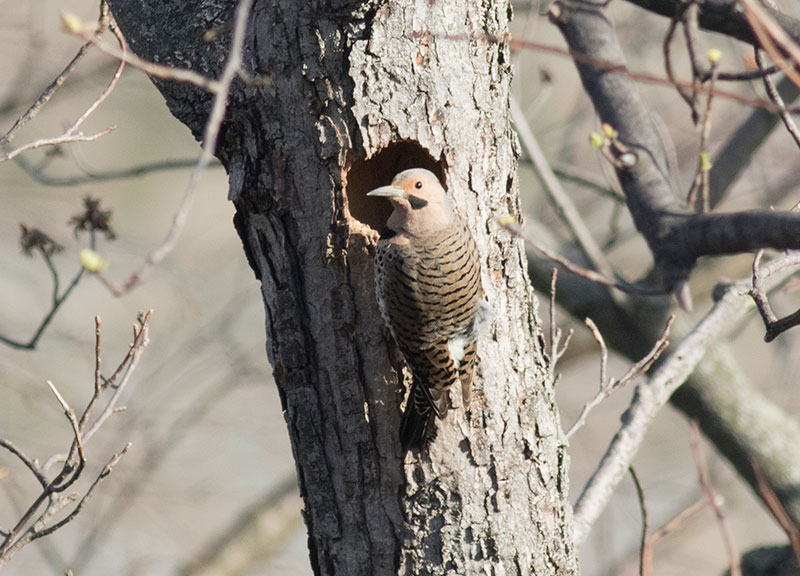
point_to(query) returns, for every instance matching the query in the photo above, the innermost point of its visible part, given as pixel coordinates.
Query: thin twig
(48, 260)
(31, 344)
(604, 381)
(72, 135)
(104, 473)
(140, 341)
(690, 97)
(63, 139)
(775, 96)
(156, 453)
(515, 229)
(573, 174)
(713, 499)
(746, 76)
(643, 510)
(555, 332)
(600, 64)
(699, 187)
(608, 387)
(111, 85)
(159, 71)
(767, 29)
(561, 201)
(32, 465)
(35, 521)
(98, 377)
(690, 27)
(70, 414)
(778, 511)
(44, 98)
(774, 326)
(126, 367)
(37, 172)
(665, 530)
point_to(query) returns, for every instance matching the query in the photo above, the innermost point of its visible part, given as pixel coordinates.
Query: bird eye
(418, 185)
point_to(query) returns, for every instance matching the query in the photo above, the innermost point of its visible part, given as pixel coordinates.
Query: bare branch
(98, 377)
(87, 34)
(130, 363)
(72, 135)
(92, 220)
(775, 326)
(653, 395)
(603, 64)
(775, 96)
(221, 89)
(155, 454)
(58, 300)
(700, 184)
(743, 143)
(574, 174)
(722, 16)
(104, 473)
(690, 97)
(36, 521)
(675, 236)
(44, 98)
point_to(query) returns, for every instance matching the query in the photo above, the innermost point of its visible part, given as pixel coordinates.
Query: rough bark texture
(357, 92)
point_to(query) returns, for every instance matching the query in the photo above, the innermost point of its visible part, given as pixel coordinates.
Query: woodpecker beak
(387, 192)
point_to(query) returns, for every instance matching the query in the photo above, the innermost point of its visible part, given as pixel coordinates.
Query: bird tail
(417, 427)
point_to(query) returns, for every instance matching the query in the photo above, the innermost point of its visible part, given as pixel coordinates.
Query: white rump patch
(456, 345)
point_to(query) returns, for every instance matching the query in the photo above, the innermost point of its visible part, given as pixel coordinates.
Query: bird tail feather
(417, 427)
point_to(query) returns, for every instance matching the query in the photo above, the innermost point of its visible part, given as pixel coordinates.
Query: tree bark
(355, 92)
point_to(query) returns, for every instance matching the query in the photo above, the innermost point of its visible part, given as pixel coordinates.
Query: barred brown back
(429, 290)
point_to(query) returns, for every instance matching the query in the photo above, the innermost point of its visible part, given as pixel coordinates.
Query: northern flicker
(430, 296)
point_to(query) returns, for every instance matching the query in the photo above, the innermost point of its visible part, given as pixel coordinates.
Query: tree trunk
(356, 92)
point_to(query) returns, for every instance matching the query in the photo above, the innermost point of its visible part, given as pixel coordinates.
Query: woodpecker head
(421, 206)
